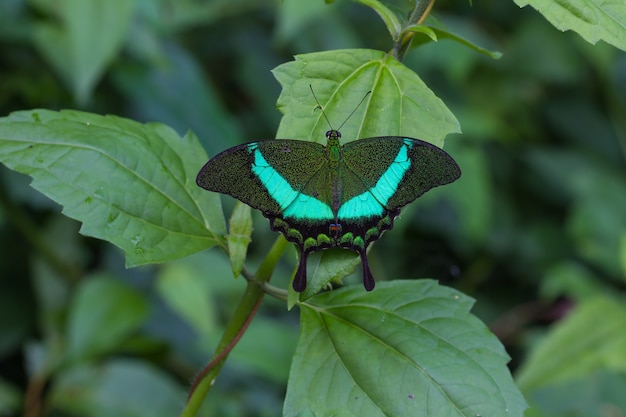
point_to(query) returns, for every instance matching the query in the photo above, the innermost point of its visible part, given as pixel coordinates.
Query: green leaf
(83, 40)
(405, 349)
(130, 184)
(437, 33)
(117, 388)
(400, 103)
(239, 236)
(103, 314)
(331, 266)
(426, 30)
(593, 20)
(591, 338)
(388, 17)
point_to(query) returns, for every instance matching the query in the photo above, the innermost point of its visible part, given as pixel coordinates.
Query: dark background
(535, 229)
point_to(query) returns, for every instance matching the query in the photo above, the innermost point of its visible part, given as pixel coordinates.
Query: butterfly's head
(333, 133)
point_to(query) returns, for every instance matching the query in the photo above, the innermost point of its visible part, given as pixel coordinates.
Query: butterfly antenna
(357, 106)
(319, 106)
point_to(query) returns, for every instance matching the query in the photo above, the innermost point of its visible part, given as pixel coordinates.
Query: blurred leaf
(200, 289)
(16, 315)
(84, 38)
(598, 222)
(293, 15)
(596, 195)
(183, 14)
(555, 62)
(10, 399)
(400, 103)
(12, 23)
(128, 388)
(266, 347)
(408, 348)
(594, 21)
(103, 314)
(623, 255)
(591, 338)
(188, 294)
(239, 236)
(579, 120)
(472, 194)
(598, 395)
(177, 93)
(51, 287)
(130, 184)
(569, 279)
(297, 17)
(39, 358)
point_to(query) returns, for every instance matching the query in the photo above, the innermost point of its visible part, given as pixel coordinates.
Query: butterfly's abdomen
(334, 230)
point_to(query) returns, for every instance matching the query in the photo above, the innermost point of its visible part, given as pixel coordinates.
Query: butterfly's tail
(299, 281)
(368, 278)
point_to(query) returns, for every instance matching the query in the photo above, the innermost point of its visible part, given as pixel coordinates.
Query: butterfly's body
(329, 196)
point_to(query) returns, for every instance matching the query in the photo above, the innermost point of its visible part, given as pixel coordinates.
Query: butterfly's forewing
(267, 175)
(430, 167)
(363, 163)
(398, 170)
(304, 167)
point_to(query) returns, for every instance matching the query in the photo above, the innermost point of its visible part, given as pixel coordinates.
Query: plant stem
(245, 311)
(248, 306)
(418, 15)
(420, 12)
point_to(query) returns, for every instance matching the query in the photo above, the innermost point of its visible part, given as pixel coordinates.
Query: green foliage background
(535, 230)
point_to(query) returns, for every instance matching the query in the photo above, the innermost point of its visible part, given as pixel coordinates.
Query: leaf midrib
(440, 387)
